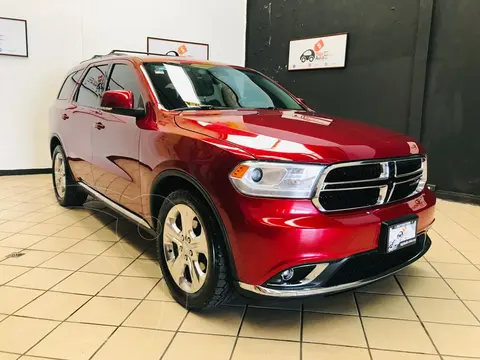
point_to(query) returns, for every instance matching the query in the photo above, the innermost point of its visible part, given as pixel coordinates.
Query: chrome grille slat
(393, 183)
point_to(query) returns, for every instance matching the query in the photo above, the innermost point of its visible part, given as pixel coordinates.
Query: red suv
(244, 187)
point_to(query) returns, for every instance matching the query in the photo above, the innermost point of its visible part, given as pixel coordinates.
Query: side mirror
(120, 102)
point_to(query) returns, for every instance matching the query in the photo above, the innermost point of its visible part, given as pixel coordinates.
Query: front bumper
(349, 273)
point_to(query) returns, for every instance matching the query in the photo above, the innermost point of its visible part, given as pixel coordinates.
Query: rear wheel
(66, 189)
(190, 252)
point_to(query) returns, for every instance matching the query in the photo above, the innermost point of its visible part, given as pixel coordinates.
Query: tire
(303, 59)
(66, 189)
(217, 286)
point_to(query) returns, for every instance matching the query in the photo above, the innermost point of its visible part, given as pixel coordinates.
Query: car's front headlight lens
(272, 179)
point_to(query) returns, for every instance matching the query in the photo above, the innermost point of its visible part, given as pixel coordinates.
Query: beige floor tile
(224, 320)
(144, 268)
(53, 209)
(426, 287)
(333, 329)
(4, 235)
(473, 256)
(474, 307)
(257, 349)
(68, 261)
(149, 254)
(466, 289)
(89, 247)
(445, 254)
(457, 271)
(124, 249)
(31, 258)
(158, 315)
(337, 304)
(37, 217)
(443, 311)
(200, 347)
(54, 306)
(268, 303)
(400, 335)
(73, 341)
(8, 204)
(14, 226)
(149, 345)
(41, 279)
(455, 340)
(12, 215)
(333, 352)
(106, 311)
(28, 206)
(13, 298)
(43, 229)
(107, 265)
(385, 306)
(8, 272)
(18, 334)
(21, 240)
(65, 219)
(75, 232)
(271, 324)
(393, 355)
(160, 292)
(387, 286)
(105, 234)
(129, 287)
(84, 283)
(96, 221)
(422, 269)
(54, 244)
(8, 356)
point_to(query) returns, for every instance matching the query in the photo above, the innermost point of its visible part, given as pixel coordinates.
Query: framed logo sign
(318, 53)
(13, 37)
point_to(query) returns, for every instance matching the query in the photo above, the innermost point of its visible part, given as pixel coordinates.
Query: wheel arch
(54, 142)
(171, 180)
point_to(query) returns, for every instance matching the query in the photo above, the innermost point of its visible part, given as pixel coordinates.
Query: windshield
(204, 86)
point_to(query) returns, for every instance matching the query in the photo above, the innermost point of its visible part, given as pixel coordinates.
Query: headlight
(271, 179)
(423, 179)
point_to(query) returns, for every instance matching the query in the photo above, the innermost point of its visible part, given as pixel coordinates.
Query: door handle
(65, 116)
(99, 126)
(98, 112)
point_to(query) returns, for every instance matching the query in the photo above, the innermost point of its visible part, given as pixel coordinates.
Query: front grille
(369, 183)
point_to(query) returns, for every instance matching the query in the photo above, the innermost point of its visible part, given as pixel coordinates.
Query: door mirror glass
(118, 99)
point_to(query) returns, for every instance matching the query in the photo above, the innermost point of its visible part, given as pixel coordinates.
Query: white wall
(63, 32)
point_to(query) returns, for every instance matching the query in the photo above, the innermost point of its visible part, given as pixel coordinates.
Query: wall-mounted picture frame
(195, 50)
(324, 52)
(13, 37)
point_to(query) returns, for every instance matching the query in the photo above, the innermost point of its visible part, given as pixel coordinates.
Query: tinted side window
(91, 90)
(68, 86)
(123, 78)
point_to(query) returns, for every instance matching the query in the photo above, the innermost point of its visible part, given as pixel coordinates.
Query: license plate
(401, 235)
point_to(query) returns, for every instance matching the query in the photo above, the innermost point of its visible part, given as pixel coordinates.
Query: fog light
(257, 174)
(287, 275)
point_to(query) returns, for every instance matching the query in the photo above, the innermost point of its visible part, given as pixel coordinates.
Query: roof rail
(125, 52)
(119, 52)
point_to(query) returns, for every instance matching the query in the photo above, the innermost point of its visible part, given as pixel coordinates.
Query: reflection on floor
(80, 284)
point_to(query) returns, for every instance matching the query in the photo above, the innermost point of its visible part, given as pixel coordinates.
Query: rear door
(115, 142)
(79, 119)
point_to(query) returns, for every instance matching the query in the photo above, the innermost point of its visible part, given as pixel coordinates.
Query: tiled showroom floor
(82, 292)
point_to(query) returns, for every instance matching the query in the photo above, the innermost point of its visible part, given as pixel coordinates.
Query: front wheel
(66, 189)
(190, 252)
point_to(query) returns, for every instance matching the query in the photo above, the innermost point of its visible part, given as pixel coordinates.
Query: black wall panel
(451, 121)
(376, 83)
(391, 43)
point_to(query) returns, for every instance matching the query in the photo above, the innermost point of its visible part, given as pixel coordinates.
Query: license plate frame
(398, 233)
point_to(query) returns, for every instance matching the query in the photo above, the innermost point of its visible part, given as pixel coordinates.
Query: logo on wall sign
(307, 55)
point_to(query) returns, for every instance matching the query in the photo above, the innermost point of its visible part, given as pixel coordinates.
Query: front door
(115, 141)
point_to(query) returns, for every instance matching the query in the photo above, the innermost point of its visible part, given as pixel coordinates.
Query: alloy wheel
(186, 248)
(59, 175)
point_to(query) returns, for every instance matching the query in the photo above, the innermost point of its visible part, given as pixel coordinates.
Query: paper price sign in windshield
(318, 53)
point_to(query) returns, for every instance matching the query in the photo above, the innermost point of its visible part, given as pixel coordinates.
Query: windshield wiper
(201, 107)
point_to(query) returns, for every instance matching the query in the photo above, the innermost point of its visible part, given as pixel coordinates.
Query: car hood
(298, 135)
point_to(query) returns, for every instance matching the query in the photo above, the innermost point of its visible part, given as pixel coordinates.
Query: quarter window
(123, 78)
(91, 90)
(68, 86)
